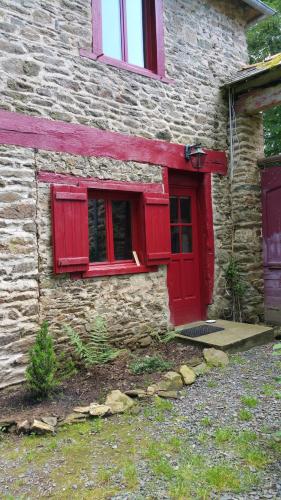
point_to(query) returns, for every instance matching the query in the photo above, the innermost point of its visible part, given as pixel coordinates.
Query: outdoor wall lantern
(195, 154)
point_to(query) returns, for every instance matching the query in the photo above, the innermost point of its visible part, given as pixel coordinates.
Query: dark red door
(183, 271)
(271, 186)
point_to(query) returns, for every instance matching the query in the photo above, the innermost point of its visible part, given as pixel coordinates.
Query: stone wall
(19, 260)
(42, 74)
(132, 305)
(247, 214)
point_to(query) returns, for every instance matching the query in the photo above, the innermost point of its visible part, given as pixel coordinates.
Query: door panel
(183, 271)
(188, 291)
(175, 282)
(271, 196)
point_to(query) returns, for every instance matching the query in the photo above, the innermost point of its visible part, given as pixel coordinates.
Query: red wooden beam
(258, 100)
(31, 132)
(101, 184)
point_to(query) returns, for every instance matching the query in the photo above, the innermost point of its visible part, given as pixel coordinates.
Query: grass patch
(223, 478)
(255, 457)
(224, 435)
(237, 359)
(174, 443)
(268, 389)
(245, 437)
(203, 437)
(150, 364)
(249, 401)
(245, 415)
(196, 479)
(158, 409)
(163, 468)
(104, 476)
(212, 384)
(206, 421)
(130, 475)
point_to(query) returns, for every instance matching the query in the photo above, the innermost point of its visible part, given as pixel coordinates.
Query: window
(126, 32)
(110, 227)
(102, 232)
(181, 224)
(129, 34)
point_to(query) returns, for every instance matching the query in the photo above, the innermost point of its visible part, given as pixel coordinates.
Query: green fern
(97, 350)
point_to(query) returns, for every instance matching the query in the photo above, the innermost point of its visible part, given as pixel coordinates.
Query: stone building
(97, 107)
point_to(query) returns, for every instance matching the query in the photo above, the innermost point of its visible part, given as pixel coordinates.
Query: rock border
(118, 402)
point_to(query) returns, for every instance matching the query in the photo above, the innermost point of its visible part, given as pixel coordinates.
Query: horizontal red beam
(100, 184)
(31, 132)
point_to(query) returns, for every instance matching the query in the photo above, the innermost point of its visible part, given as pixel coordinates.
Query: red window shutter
(157, 229)
(70, 229)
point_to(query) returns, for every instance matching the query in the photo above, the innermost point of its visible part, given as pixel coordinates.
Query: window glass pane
(185, 204)
(174, 216)
(121, 219)
(97, 231)
(135, 32)
(186, 239)
(111, 28)
(175, 239)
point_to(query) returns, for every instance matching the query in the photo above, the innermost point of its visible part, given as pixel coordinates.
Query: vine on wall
(236, 289)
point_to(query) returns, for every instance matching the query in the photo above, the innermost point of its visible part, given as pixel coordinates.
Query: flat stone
(73, 418)
(50, 420)
(145, 341)
(151, 390)
(168, 394)
(201, 369)
(118, 402)
(6, 423)
(82, 409)
(194, 361)
(171, 381)
(215, 357)
(97, 410)
(188, 375)
(136, 393)
(40, 427)
(235, 337)
(23, 427)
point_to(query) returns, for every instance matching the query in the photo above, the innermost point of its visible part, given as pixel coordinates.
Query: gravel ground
(212, 403)
(222, 404)
(217, 397)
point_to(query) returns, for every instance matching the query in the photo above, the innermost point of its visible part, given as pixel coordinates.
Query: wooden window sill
(124, 65)
(114, 269)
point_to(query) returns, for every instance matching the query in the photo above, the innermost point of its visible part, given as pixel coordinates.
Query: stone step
(235, 336)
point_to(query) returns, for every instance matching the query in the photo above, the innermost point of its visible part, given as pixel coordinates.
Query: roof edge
(264, 10)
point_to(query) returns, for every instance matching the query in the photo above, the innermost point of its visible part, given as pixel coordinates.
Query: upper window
(128, 31)
(129, 34)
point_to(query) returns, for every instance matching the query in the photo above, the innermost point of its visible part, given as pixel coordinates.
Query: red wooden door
(271, 196)
(183, 270)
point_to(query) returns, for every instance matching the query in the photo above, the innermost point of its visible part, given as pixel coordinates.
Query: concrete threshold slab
(234, 338)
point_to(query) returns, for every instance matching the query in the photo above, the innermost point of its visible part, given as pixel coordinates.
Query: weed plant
(245, 415)
(250, 401)
(150, 364)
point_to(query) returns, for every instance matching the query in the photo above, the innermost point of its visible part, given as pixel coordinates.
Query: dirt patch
(93, 385)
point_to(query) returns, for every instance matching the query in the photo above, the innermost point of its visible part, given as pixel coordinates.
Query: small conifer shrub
(42, 367)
